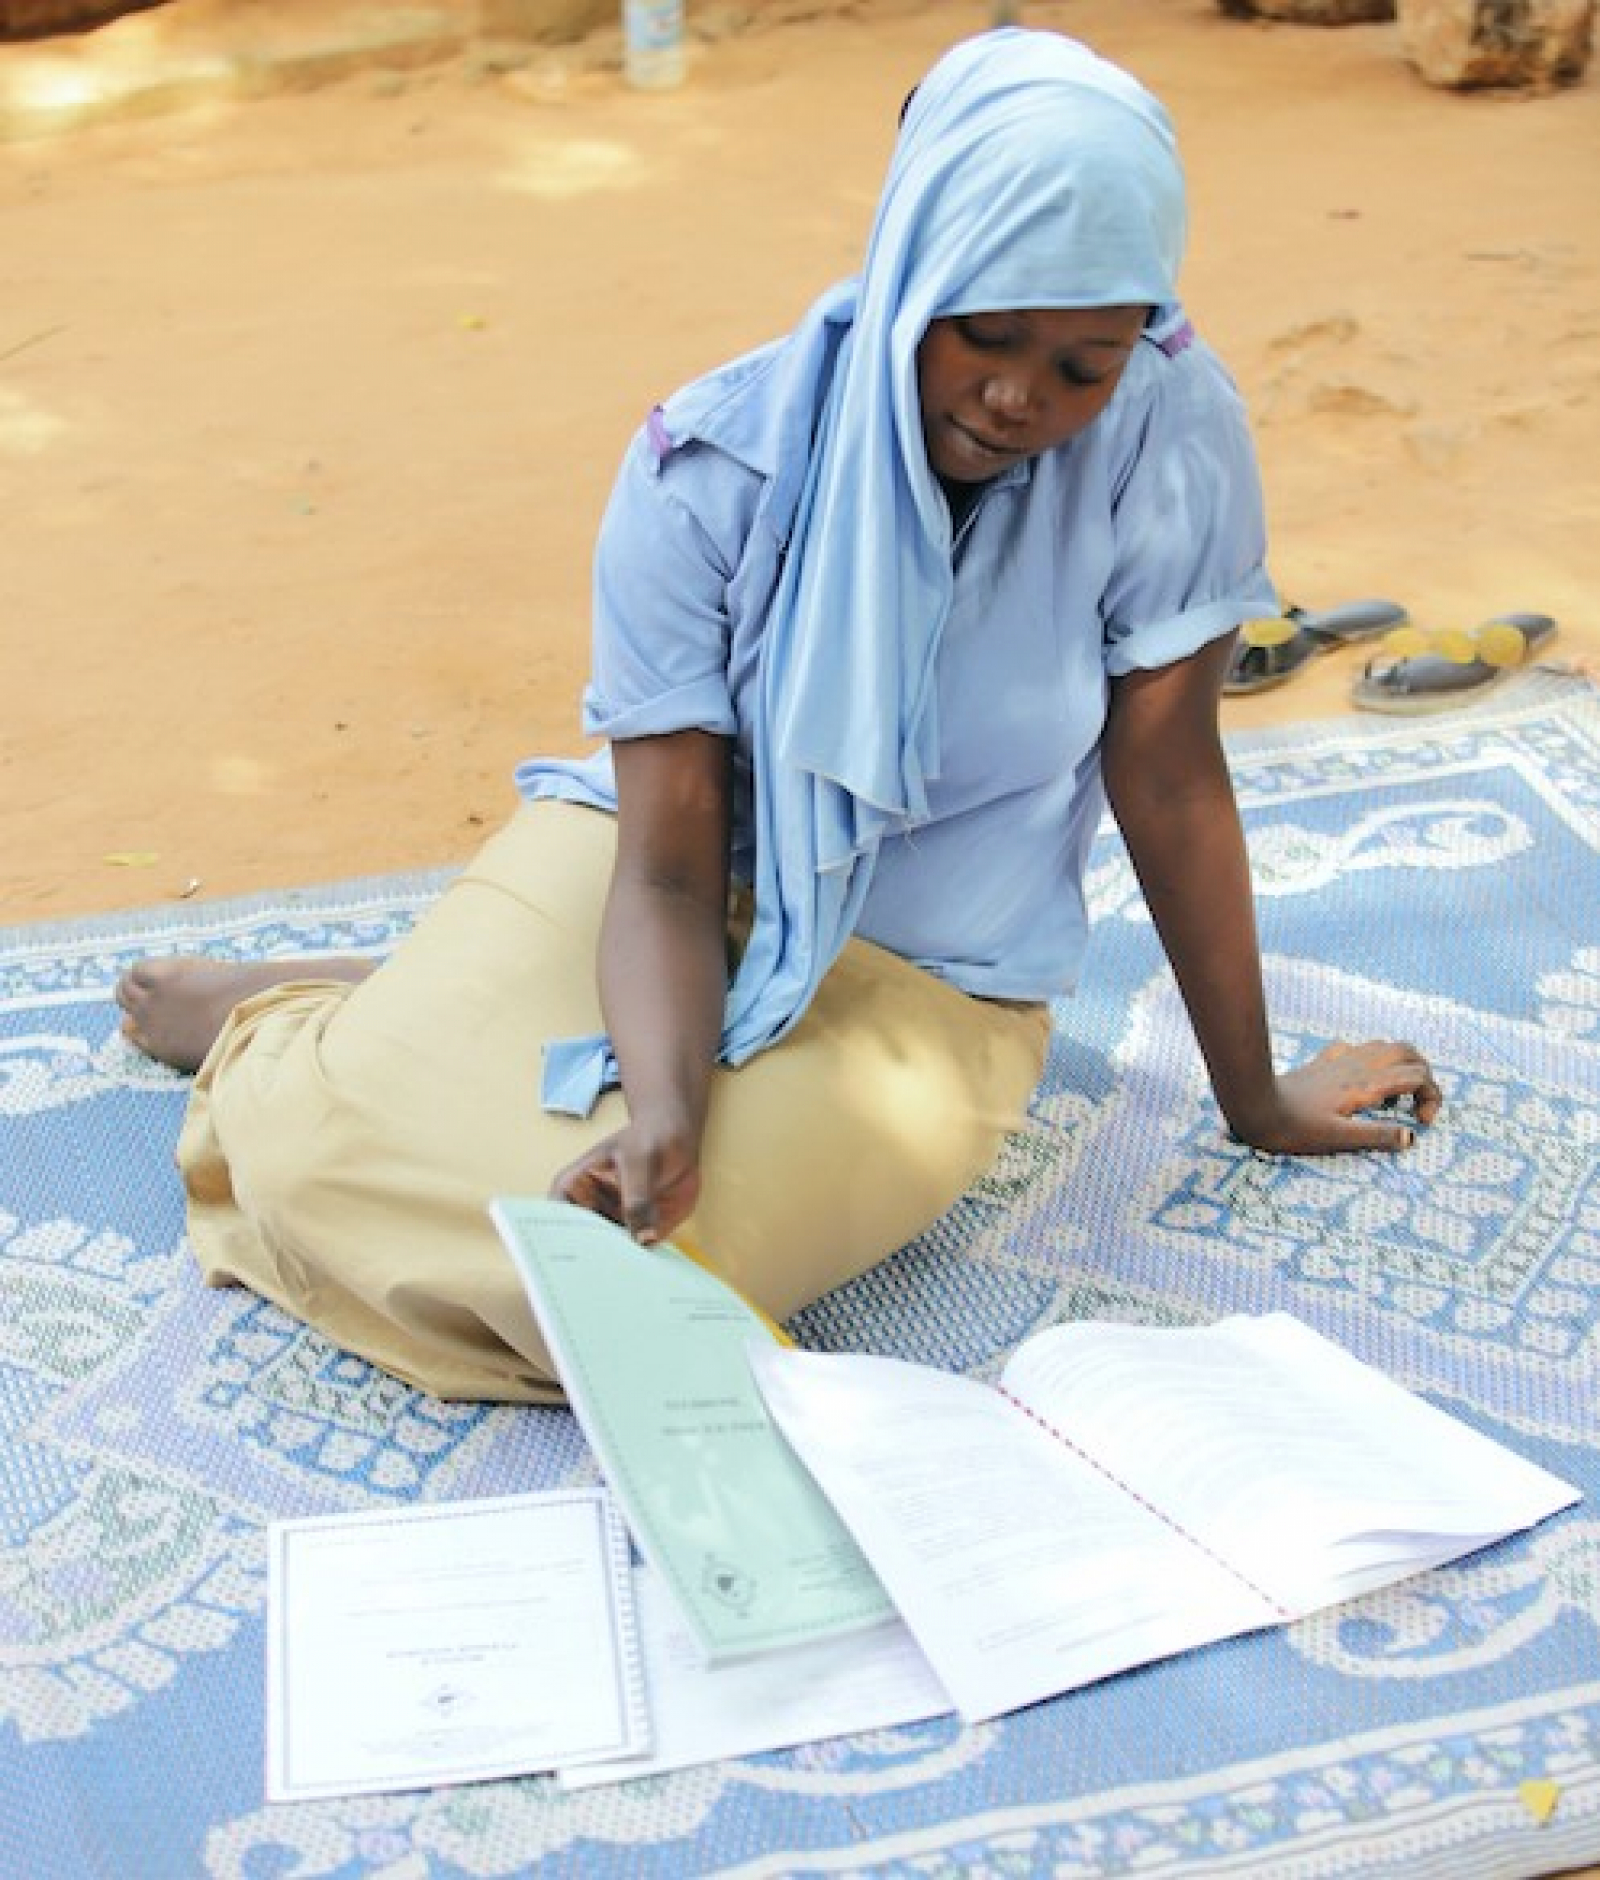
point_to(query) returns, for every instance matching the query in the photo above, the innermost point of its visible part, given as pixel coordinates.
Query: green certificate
(653, 1352)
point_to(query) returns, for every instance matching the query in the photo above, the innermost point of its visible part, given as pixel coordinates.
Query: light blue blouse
(1127, 548)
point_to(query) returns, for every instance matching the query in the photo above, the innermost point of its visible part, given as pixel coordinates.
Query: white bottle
(652, 41)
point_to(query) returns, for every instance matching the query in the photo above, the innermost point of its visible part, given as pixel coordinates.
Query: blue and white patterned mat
(1434, 880)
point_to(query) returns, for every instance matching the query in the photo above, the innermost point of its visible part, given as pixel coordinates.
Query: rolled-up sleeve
(1189, 560)
(665, 555)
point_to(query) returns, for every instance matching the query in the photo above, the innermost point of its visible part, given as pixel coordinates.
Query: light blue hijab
(1029, 173)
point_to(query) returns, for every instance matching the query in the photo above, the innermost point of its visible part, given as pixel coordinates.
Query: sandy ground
(308, 407)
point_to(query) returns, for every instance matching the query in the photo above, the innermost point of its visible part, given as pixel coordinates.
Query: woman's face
(998, 387)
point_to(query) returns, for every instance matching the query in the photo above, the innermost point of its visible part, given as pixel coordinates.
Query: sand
(308, 406)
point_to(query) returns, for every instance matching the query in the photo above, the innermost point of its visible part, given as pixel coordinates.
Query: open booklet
(651, 1348)
(1126, 1492)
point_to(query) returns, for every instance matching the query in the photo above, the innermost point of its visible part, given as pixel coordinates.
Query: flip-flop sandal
(1420, 671)
(1268, 652)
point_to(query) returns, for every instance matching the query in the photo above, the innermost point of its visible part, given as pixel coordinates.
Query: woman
(883, 613)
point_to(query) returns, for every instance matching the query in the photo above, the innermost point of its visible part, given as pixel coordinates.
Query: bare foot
(174, 1008)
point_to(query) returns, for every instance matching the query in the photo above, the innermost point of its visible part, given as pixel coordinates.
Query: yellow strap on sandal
(1406, 643)
(1497, 644)
(1501, 644)
(1274, 632)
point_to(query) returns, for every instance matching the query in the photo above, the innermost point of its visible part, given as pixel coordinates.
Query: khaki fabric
(343, 1141)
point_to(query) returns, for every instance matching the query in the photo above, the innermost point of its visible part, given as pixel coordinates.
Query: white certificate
(458, 1642)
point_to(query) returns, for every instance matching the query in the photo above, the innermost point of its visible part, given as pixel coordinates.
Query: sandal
(1421, 671)
(1270, 651)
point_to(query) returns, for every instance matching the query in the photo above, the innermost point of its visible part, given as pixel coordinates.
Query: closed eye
(982, 339)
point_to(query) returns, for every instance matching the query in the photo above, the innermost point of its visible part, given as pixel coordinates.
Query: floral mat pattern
(1439, 881)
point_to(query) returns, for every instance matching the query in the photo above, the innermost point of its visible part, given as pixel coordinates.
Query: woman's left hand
(1319, 1102)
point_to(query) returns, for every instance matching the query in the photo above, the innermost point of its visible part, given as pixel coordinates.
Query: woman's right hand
(663, 969)
(645, 1180)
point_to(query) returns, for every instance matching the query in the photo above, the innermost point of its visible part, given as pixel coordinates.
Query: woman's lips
(982, 446)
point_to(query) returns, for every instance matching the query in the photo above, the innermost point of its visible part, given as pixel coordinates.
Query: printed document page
(1020, 1569)
(1281, 1451)
(703, 1713)
(449, 1643)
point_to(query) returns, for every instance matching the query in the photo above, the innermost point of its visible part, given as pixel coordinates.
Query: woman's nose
(1008, 394)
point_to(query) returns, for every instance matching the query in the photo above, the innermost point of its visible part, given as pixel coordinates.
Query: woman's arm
(1168, 783)
(663, 978)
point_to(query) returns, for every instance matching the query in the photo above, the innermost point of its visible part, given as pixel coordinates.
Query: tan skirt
(342, 1141)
